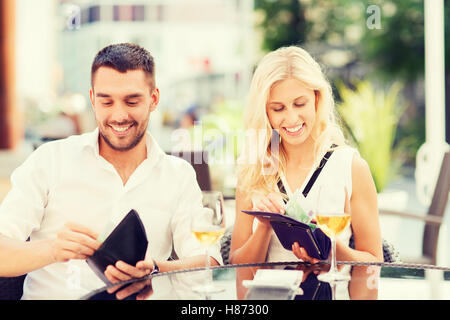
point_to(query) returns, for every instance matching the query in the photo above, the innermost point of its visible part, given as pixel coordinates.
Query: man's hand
(123, 272)
(74, 241)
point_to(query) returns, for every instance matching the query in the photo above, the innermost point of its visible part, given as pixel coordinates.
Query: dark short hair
(123, 57)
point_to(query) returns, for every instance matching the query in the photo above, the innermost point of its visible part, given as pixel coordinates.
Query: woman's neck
(300, 155)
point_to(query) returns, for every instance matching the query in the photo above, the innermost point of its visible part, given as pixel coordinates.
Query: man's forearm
(18, 257)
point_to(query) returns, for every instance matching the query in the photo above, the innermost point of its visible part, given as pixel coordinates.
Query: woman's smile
(294, 130)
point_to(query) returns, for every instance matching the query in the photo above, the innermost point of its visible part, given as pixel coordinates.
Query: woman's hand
(270, 203)
(301, 253)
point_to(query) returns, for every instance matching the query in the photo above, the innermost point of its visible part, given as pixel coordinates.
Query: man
(70, 191)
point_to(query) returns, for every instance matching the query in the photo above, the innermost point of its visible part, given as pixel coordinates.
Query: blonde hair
(258, 166)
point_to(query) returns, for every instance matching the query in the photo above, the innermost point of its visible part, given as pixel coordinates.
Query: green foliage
(222, 138)
(223, 124)
(295, 22)
(283, 23)
(372, 117)
(397, 49)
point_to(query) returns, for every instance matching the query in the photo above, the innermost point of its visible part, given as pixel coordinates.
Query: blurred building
(28, 60)
(202, 48)
(36, 43)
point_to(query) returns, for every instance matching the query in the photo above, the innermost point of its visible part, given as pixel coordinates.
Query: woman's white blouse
(337, 171)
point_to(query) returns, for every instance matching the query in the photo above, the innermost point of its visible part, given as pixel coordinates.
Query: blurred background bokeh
(372, 51)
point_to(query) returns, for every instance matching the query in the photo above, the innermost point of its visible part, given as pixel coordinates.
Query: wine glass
(208, 226)
(332, 219)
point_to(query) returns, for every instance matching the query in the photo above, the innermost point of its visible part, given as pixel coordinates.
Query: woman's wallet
(313, 289)
(288, 230)
(127, 242)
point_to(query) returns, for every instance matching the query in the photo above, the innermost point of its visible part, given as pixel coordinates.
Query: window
(160, 10)
(139, 13)
(94, 14)
(123, 13)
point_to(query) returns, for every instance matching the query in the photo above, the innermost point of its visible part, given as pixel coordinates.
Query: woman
(290, 102)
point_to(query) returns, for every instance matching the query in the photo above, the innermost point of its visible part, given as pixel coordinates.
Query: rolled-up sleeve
(190, 202)
(23, 207)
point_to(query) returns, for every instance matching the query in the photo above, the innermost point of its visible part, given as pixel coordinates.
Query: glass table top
(299, 281)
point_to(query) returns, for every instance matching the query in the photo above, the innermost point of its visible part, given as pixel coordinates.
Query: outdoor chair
(199, 161)
(434, 217)
(11, 288)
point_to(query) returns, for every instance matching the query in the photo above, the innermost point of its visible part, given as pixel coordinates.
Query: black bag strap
(314, 175)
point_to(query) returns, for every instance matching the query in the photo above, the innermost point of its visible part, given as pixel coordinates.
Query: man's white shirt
(68, 181)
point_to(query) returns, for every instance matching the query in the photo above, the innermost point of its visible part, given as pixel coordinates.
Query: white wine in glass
(208, 226)
(332, 220)
(333, 224)
(209, 236)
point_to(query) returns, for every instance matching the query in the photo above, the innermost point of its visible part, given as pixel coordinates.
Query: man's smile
(121, 130)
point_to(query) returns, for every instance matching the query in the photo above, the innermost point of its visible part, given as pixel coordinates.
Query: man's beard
(137, 138)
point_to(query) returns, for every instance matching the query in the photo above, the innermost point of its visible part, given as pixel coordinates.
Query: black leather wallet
(127, 242)
(289, 230)
(313, 289)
